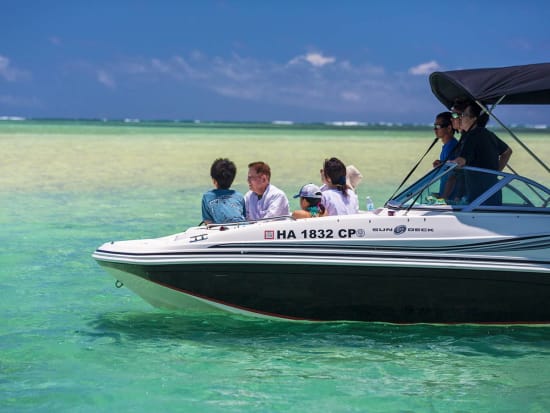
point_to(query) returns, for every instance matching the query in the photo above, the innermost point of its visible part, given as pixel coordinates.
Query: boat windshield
(468, 189)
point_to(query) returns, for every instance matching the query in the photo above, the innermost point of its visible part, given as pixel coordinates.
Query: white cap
(309, 191)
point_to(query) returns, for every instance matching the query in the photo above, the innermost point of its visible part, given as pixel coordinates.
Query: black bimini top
(520, 85)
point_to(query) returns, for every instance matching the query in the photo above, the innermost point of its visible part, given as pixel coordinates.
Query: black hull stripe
(238, 307)
(392, 295)
(290, 318)
(515, 244)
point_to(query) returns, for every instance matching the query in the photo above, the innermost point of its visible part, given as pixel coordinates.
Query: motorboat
(418, 259)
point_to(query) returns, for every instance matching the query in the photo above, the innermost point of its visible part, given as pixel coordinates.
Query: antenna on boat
(414, 167)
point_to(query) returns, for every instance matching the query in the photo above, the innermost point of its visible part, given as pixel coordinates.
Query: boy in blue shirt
(223, 205)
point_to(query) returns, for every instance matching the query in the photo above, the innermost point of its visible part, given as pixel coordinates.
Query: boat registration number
(314, 233)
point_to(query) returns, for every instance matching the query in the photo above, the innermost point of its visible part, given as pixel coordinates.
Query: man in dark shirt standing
(482, 149)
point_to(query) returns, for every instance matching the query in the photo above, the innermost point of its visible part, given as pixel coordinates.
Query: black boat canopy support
(513, 135)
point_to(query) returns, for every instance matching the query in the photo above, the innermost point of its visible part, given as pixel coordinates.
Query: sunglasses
(440, 125)
(456, 115)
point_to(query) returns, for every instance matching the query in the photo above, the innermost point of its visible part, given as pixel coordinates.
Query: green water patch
(179, 159)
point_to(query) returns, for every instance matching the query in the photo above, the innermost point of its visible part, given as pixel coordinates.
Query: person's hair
(477, 112)
(223, 171)
(335, 169)
(446, 117)
(261, 168)
(315, 202)
(460, 104)
(353, 177)
(312, 201)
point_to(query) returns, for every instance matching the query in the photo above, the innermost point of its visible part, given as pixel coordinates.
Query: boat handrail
(243, 223)
(435, 173)
(408, 198)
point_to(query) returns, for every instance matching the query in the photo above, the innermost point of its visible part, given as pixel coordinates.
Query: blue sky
(304, 61)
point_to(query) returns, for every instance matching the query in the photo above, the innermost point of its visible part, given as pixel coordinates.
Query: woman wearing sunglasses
(480, 148)
(444, 130)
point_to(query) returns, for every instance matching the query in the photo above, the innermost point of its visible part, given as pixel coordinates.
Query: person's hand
(460, 161)
(436, 163)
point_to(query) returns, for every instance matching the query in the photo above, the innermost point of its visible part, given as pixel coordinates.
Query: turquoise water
(71, 341)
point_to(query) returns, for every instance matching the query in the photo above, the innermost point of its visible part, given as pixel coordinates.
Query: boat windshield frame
(413, 196)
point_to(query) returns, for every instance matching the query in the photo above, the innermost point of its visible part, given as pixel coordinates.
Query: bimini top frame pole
(512, 134)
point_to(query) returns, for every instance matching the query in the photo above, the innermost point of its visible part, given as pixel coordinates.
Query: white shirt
(336, 203)
(273, 203)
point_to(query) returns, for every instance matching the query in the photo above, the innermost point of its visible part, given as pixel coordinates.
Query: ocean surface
(70, 341)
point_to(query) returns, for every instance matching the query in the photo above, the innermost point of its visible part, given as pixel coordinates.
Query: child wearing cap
(310, 201)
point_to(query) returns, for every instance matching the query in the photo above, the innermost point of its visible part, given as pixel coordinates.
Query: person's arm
(249, 207)
(245, 215)
(327, 204)
(278, 206)
(504, 152)
(504, 158)
(467, 151)
(206, 215)
(449, 186)
(300, 213)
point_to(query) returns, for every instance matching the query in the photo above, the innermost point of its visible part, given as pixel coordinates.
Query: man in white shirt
(264, 200)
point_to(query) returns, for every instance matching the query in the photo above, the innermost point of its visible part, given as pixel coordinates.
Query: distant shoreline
(278, 124)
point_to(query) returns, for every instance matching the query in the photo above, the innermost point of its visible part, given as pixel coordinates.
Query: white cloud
(350, 96)
(197, 55)
(160, 66)
(425, 68)
(180, 68)
(315, 59)
(344, 87)
(10, 73)
(132, 68)
(106, 79)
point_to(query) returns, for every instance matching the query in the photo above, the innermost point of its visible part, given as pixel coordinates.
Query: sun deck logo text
(401, 229)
